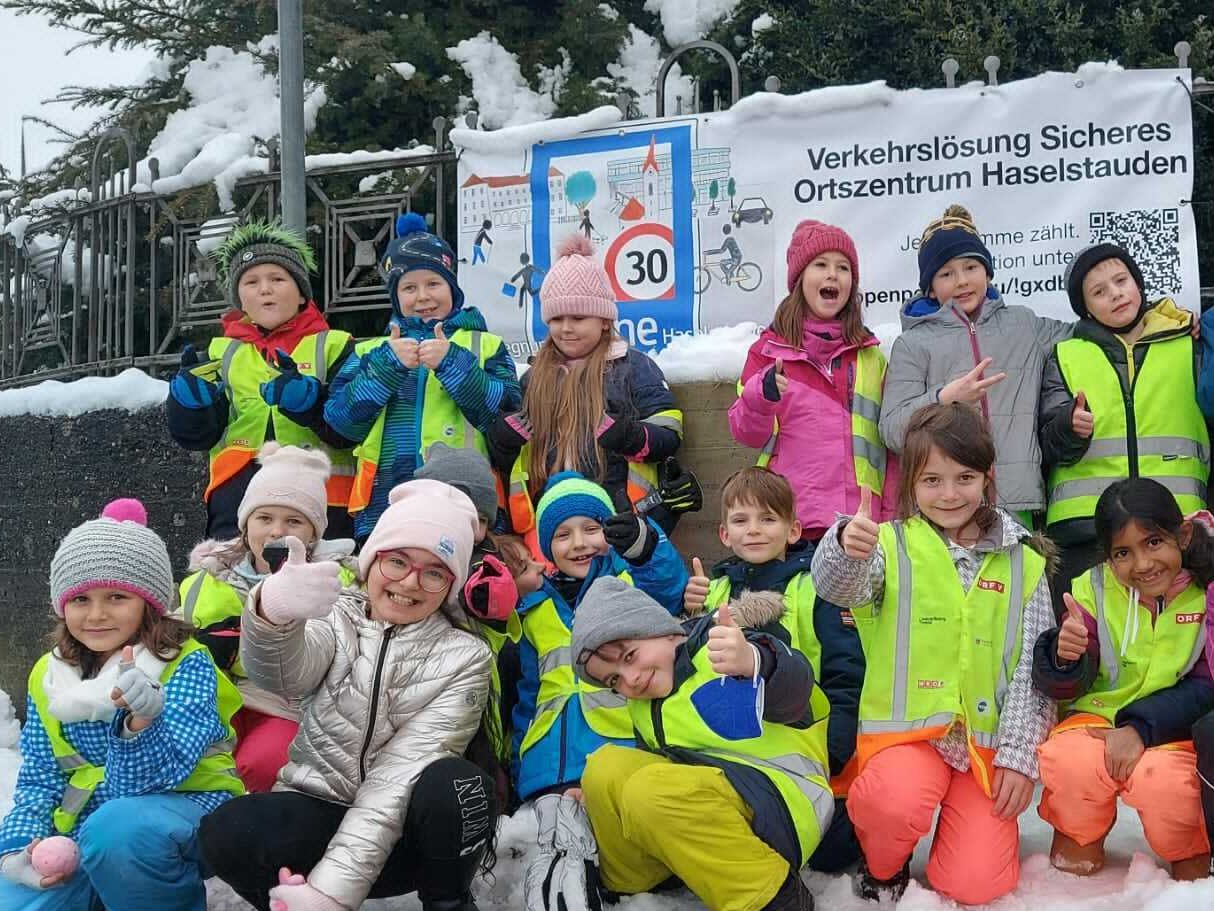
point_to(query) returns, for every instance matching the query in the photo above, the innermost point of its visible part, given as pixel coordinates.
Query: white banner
(1046, 166)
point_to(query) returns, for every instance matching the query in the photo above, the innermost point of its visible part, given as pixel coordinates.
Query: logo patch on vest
(845, 616)
(1191, 618)
(446, 547)
(303, 365)
(931, 684)
(991, 585)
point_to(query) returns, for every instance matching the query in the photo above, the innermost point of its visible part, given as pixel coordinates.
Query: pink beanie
(810, 239)
(576, 285)
(291, 476)
(429, 515)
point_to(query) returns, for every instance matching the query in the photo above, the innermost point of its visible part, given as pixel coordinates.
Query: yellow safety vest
(936, 655)
(216, 771)
(1152, 430)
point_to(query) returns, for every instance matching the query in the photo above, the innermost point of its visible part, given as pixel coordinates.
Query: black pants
(1203, 743)
(839, 848)
(450, 822)
(1073, 561)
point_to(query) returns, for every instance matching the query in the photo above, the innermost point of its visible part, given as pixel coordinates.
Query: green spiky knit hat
(260, 242)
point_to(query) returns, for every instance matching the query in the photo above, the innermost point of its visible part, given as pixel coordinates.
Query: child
(377, 799)
(437, 377)
(727, 790)
(267, 378)
(126, 744)
(285, 497)
(948, 602)
(1118, 400)
(959, 329)
(759, 524)
(810, 392)
(591, 404)
(1129, 660)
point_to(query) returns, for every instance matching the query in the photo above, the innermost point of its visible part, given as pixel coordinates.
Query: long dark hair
(1152, 506)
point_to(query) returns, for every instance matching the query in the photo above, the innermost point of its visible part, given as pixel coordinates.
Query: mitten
(491, 593)
(18, 868)
(144, 697)
(300, 590)
(291, 390)
(188, 389)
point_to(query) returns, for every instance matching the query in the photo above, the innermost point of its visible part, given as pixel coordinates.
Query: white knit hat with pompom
(289, 476)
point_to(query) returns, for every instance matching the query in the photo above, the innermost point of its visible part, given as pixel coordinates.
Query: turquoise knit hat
(566, 495)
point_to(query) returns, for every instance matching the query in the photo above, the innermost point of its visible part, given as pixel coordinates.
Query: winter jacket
(1026, 717)
(814, 447)
(381, 703)
(1060, 445)
(1205, 375)
(560, 756)
(376, 384)
(155, 760)
(939, 344)
(633, 388)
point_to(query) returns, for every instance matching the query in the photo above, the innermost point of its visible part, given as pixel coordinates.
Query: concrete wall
(58, 472)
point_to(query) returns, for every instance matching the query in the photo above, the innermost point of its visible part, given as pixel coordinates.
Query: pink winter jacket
(813, 449)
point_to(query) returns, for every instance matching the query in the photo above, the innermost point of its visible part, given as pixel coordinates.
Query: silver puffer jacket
(381, 702)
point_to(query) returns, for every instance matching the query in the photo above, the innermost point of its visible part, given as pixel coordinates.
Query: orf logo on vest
(991, 585)
(931, 684)
(1191, 618)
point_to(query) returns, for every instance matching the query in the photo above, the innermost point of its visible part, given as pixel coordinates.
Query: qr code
(1153, 238)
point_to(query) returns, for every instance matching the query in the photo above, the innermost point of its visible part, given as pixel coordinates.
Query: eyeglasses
(397, 567)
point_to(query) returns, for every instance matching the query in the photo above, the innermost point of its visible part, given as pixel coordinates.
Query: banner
(692, 215)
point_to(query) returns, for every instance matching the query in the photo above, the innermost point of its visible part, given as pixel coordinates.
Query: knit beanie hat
(117, 550)
(261, 242)
(466, 470)
(289, 476)
(429, 515)
(810, 239)
(1083, 263)
(568, 494)
(416, 248)
(950, 236)
(612, 610)
(576, 285)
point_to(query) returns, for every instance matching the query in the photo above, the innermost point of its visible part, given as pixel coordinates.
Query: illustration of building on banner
(638, 190)
(505, 200)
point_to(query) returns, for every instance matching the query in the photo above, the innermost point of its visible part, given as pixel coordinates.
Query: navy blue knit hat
(948, 237)
(416, 248)
(1083, 263)
(568, 494)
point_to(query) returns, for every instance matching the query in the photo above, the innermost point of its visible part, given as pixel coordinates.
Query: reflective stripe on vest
(215, 771)
(1137, 657)
(1160, 435)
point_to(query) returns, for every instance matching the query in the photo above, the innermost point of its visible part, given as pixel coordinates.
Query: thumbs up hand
(291, 390)
(432, 351)
(136, 692)
(728, 651)
(696, 592)
(775, 383)
(859, 535)
(1082, 421)
(300, 590)
(405, 349)
(1073, 634)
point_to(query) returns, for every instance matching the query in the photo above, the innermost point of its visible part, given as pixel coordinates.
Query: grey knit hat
(259, 243)
(466, 469)
(612, 610)
(118, 551)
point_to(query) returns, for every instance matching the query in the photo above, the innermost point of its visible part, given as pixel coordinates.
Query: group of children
(319, 721)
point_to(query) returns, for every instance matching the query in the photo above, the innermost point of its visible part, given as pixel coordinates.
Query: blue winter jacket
(560, 757)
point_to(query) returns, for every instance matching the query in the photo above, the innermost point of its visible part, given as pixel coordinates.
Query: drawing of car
(752, 209)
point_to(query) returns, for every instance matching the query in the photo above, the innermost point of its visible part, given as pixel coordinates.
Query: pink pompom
(55, 855)
(576, 243)
(127, 509)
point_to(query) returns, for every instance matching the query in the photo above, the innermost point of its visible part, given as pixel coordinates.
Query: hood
(821, 343)
(415, 327)
(1162, 321)
(752, 610)
(923, 309)
(307, 322)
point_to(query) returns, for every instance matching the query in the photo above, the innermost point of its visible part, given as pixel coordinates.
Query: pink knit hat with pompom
(810, 239)
(576, 285)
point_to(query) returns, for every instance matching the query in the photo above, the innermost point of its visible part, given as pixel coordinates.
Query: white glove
(300, 590)
(18, 868)
(143, 696)
(564, 875)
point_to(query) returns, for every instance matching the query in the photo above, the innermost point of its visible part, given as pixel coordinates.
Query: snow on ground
(130, 390)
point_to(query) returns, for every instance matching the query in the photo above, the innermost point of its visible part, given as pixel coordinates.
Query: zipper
(655, 715)
(977, 354)
(379, 671)
(1131, 422)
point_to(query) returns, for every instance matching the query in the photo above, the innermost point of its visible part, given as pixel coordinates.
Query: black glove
(622, 435)
(630, 536)
(771, 391)
(679, 489)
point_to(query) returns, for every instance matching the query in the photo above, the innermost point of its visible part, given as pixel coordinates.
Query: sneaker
(793, 896)
(869, 888)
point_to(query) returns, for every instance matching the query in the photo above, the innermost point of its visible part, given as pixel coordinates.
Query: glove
(294, 894)
(144, 697)
(190, 390)
(564, 875)
(621, 435)
(630, 536)
(291, 390)
(510, 431)
(771, 391)
(300, 590)
(679, 489)
(491, 593)
(18, 867)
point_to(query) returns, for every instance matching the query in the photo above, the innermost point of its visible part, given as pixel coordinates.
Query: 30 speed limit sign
(640, 263)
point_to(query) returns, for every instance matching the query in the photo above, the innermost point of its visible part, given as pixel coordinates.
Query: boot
(1069, 856)
(793, 895)
(1197, 867)
(450, 904)
(869, 888)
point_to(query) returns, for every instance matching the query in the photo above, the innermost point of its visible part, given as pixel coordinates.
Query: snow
(213, 232)
(637, 70)
(406, 71)
(717, 355)
(60, 199)
(608, 12)
(130, 390)
(362, 156)
(521, 138)
(689, 20)
(761, 23)
(503, 96)
(808, 104)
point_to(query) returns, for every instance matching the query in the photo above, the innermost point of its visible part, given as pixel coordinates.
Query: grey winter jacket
(937, 345)
(381, 703)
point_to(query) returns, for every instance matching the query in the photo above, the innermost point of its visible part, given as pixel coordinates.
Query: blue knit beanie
(951, 236)
(566, 495)
(416, 248)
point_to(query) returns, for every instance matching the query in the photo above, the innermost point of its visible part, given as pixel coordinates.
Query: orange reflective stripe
(869, 745)
(225, 466)
(841, 783)
(360, 491)
(339, 488)
(1080, 720)
(522, 513)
